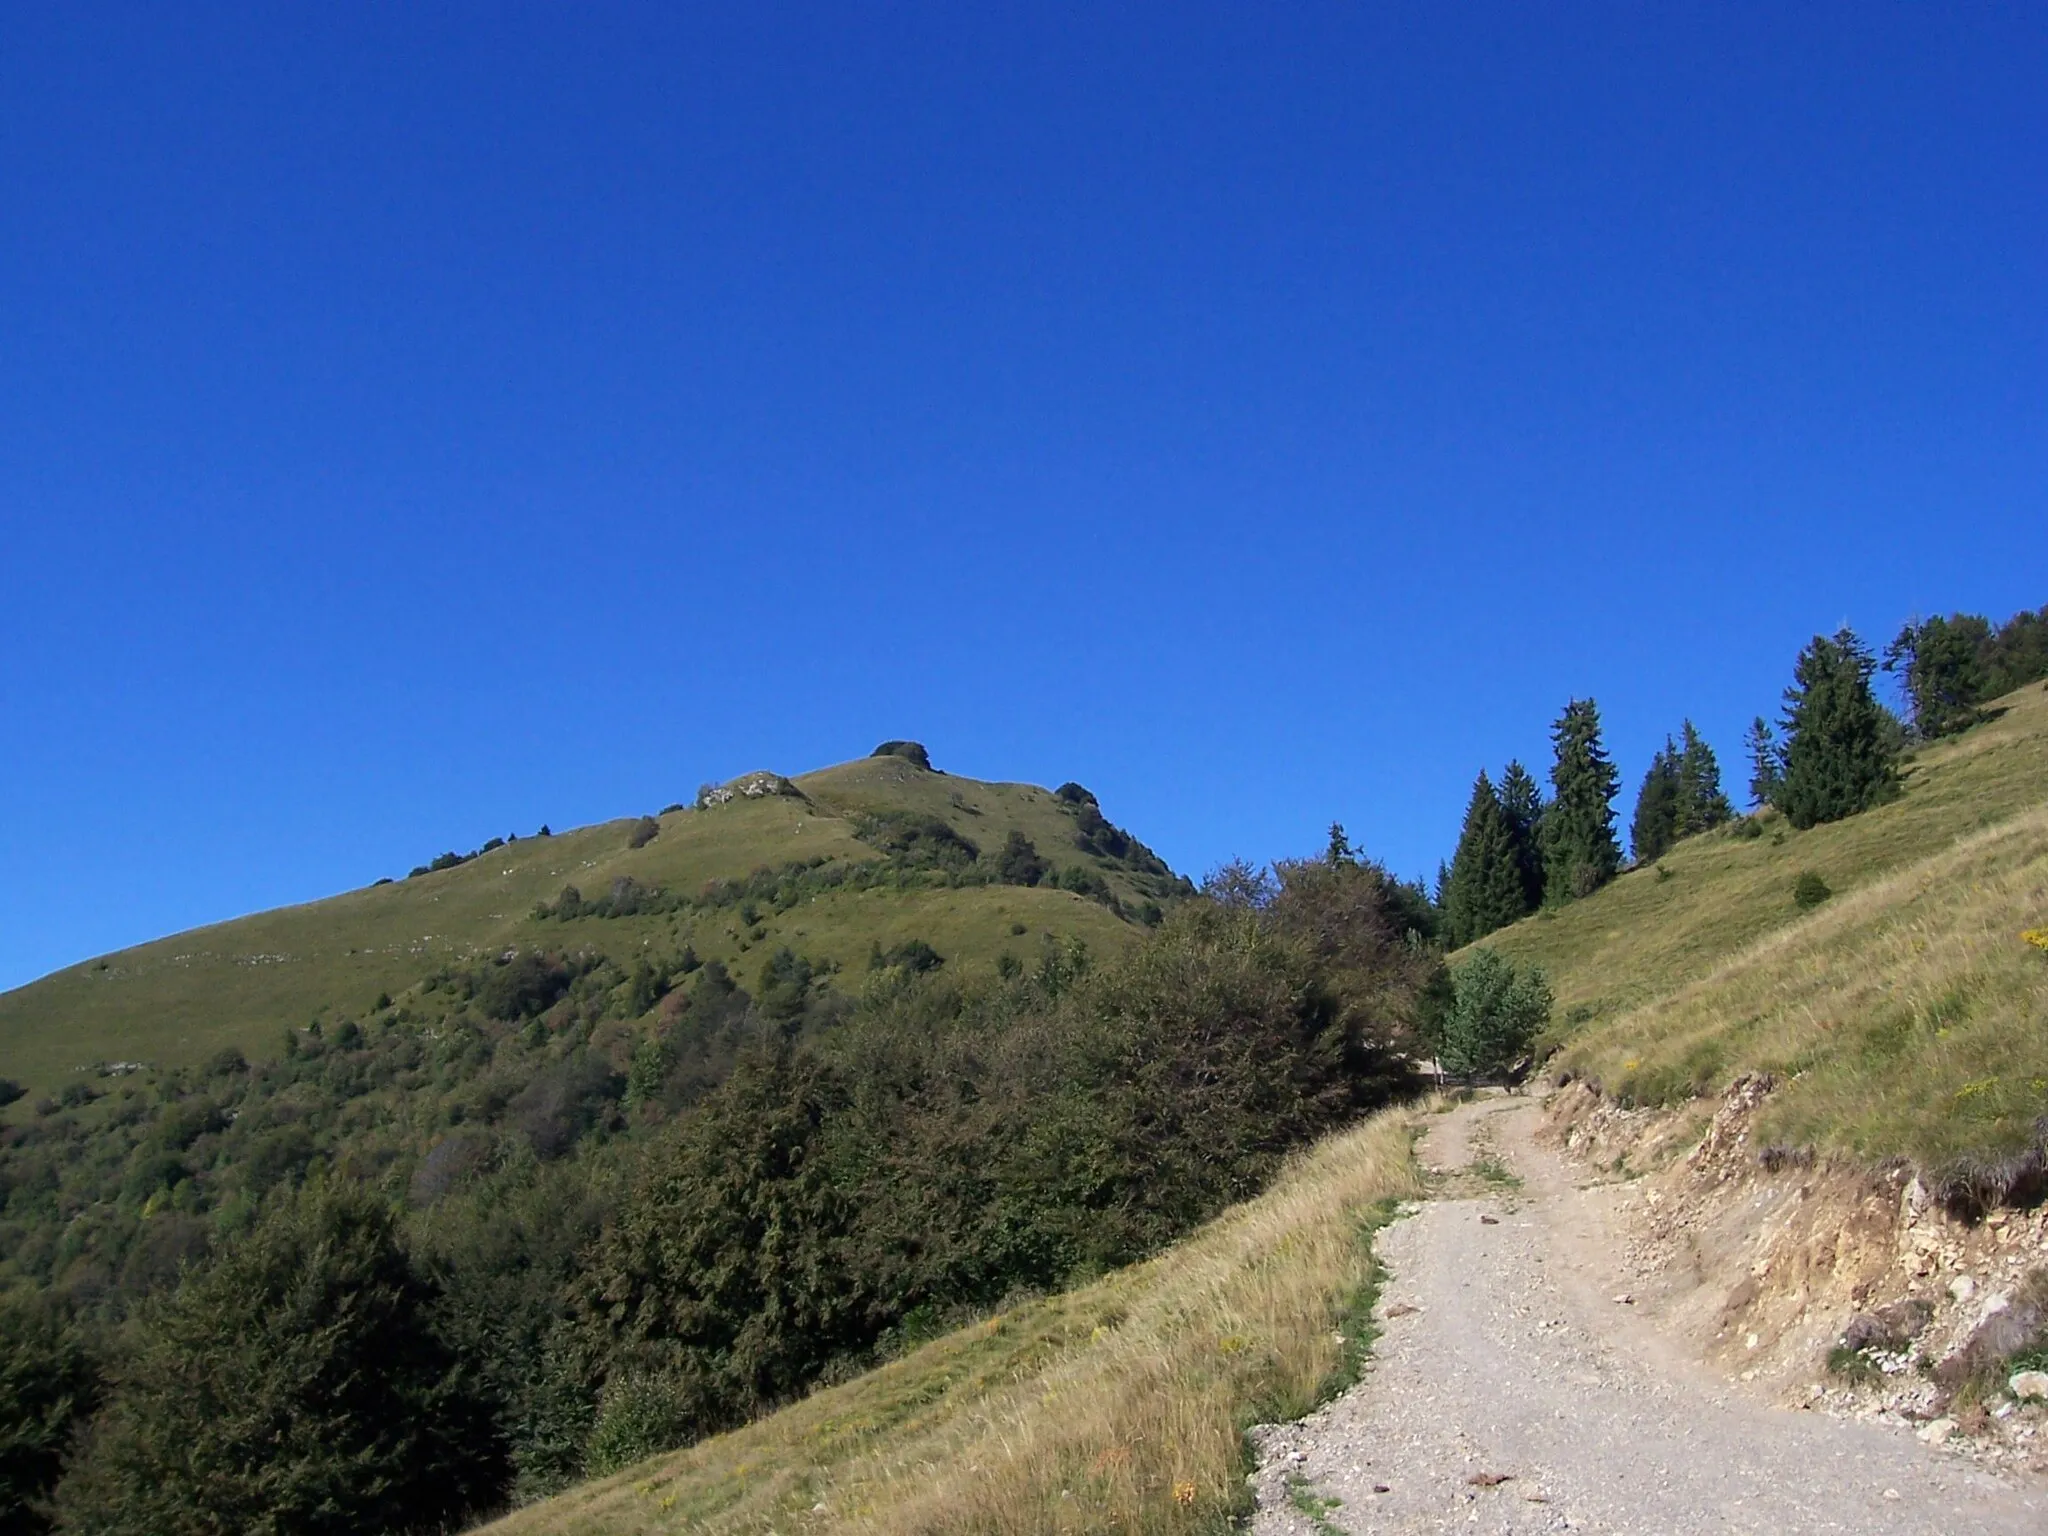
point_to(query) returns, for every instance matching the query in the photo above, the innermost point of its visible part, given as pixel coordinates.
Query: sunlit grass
(1906, 1011)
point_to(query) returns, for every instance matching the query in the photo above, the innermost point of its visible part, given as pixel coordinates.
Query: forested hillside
(699, 1140)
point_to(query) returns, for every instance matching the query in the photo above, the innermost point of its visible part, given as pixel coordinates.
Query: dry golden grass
(1118, 1406)
(1909, 1015)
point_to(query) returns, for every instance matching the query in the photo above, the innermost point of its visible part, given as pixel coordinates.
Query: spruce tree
(1654, 827)
(1839, 751)
(1701, 804)
(296, 1383)
(1766, 763)
(1580, 853)
(1522, 800)
(1484, 891)
(1939, 663)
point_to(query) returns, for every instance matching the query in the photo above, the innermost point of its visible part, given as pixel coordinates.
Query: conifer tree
(1654, 827)
(294, 1384)
(1522, 800)
(1839, 752)
(1484, 891)
(1580, 853)
(1701, 804)
(1939, 664)
(1766, 763)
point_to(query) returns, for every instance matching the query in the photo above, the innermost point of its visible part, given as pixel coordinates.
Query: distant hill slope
(1906, 1006)
(242, 983)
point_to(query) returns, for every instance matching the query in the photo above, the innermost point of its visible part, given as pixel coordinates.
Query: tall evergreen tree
(1654, 828)
(1522, 800)
(296, 1384)
(1766, 762)
(1484, 891)
(1701, 804)
(1939, 664)
(2016, 653)
(1580, 853)
(1839, 752)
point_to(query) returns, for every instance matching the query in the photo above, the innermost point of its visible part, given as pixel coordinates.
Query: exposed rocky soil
(1541, 1369)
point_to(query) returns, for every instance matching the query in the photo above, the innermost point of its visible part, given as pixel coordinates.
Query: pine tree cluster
(1517, 851)
(1681, 795)
(1841, 746)
(1947, 667)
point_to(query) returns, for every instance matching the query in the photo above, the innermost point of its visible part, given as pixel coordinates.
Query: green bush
(640, 1415)
(1018, 862)
(1809, 891)
(293, 1385)
(645, 831)
(48, 1388)
(1495, 1015)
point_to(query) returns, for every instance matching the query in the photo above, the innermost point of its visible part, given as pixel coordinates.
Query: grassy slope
(1906, 1009)
(177, 1000)
(1116, 1406)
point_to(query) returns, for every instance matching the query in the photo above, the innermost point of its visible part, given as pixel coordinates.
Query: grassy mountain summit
(873, 853)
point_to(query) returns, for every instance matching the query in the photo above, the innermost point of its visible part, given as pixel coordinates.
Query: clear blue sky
(422, 423)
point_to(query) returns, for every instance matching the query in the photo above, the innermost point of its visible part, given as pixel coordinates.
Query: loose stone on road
(1511, 1392)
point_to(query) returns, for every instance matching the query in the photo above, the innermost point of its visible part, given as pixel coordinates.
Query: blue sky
(418, 424)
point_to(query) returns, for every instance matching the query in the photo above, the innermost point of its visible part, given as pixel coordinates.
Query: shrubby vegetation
(548, 1212)
(1496, 1013)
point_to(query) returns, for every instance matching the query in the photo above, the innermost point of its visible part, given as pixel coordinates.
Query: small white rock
(2026, 1384)
(1938, 1431)
(1962, 1288)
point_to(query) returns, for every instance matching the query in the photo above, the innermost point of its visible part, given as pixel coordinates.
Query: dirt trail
(1512, 1392)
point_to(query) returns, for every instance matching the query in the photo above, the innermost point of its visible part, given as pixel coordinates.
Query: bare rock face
(2006, 1325)
(1890, 1327)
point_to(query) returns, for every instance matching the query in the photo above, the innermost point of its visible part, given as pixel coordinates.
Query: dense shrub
(295, 1385)
(917, 841)
(1018, 862)
(644, 831)
(640, 1415)
(1809, 890)
(48, 1388)
(521, 986)
(1495, 1014)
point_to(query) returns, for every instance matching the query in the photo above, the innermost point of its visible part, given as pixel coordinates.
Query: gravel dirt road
(1513, 1392)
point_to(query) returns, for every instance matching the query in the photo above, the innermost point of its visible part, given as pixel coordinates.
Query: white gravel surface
(1519, 1367)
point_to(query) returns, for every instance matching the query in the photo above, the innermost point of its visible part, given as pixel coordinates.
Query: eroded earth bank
(1570, 1344)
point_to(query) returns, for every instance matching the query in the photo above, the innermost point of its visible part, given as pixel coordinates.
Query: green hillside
(177, 1001)
(1906, 1007)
